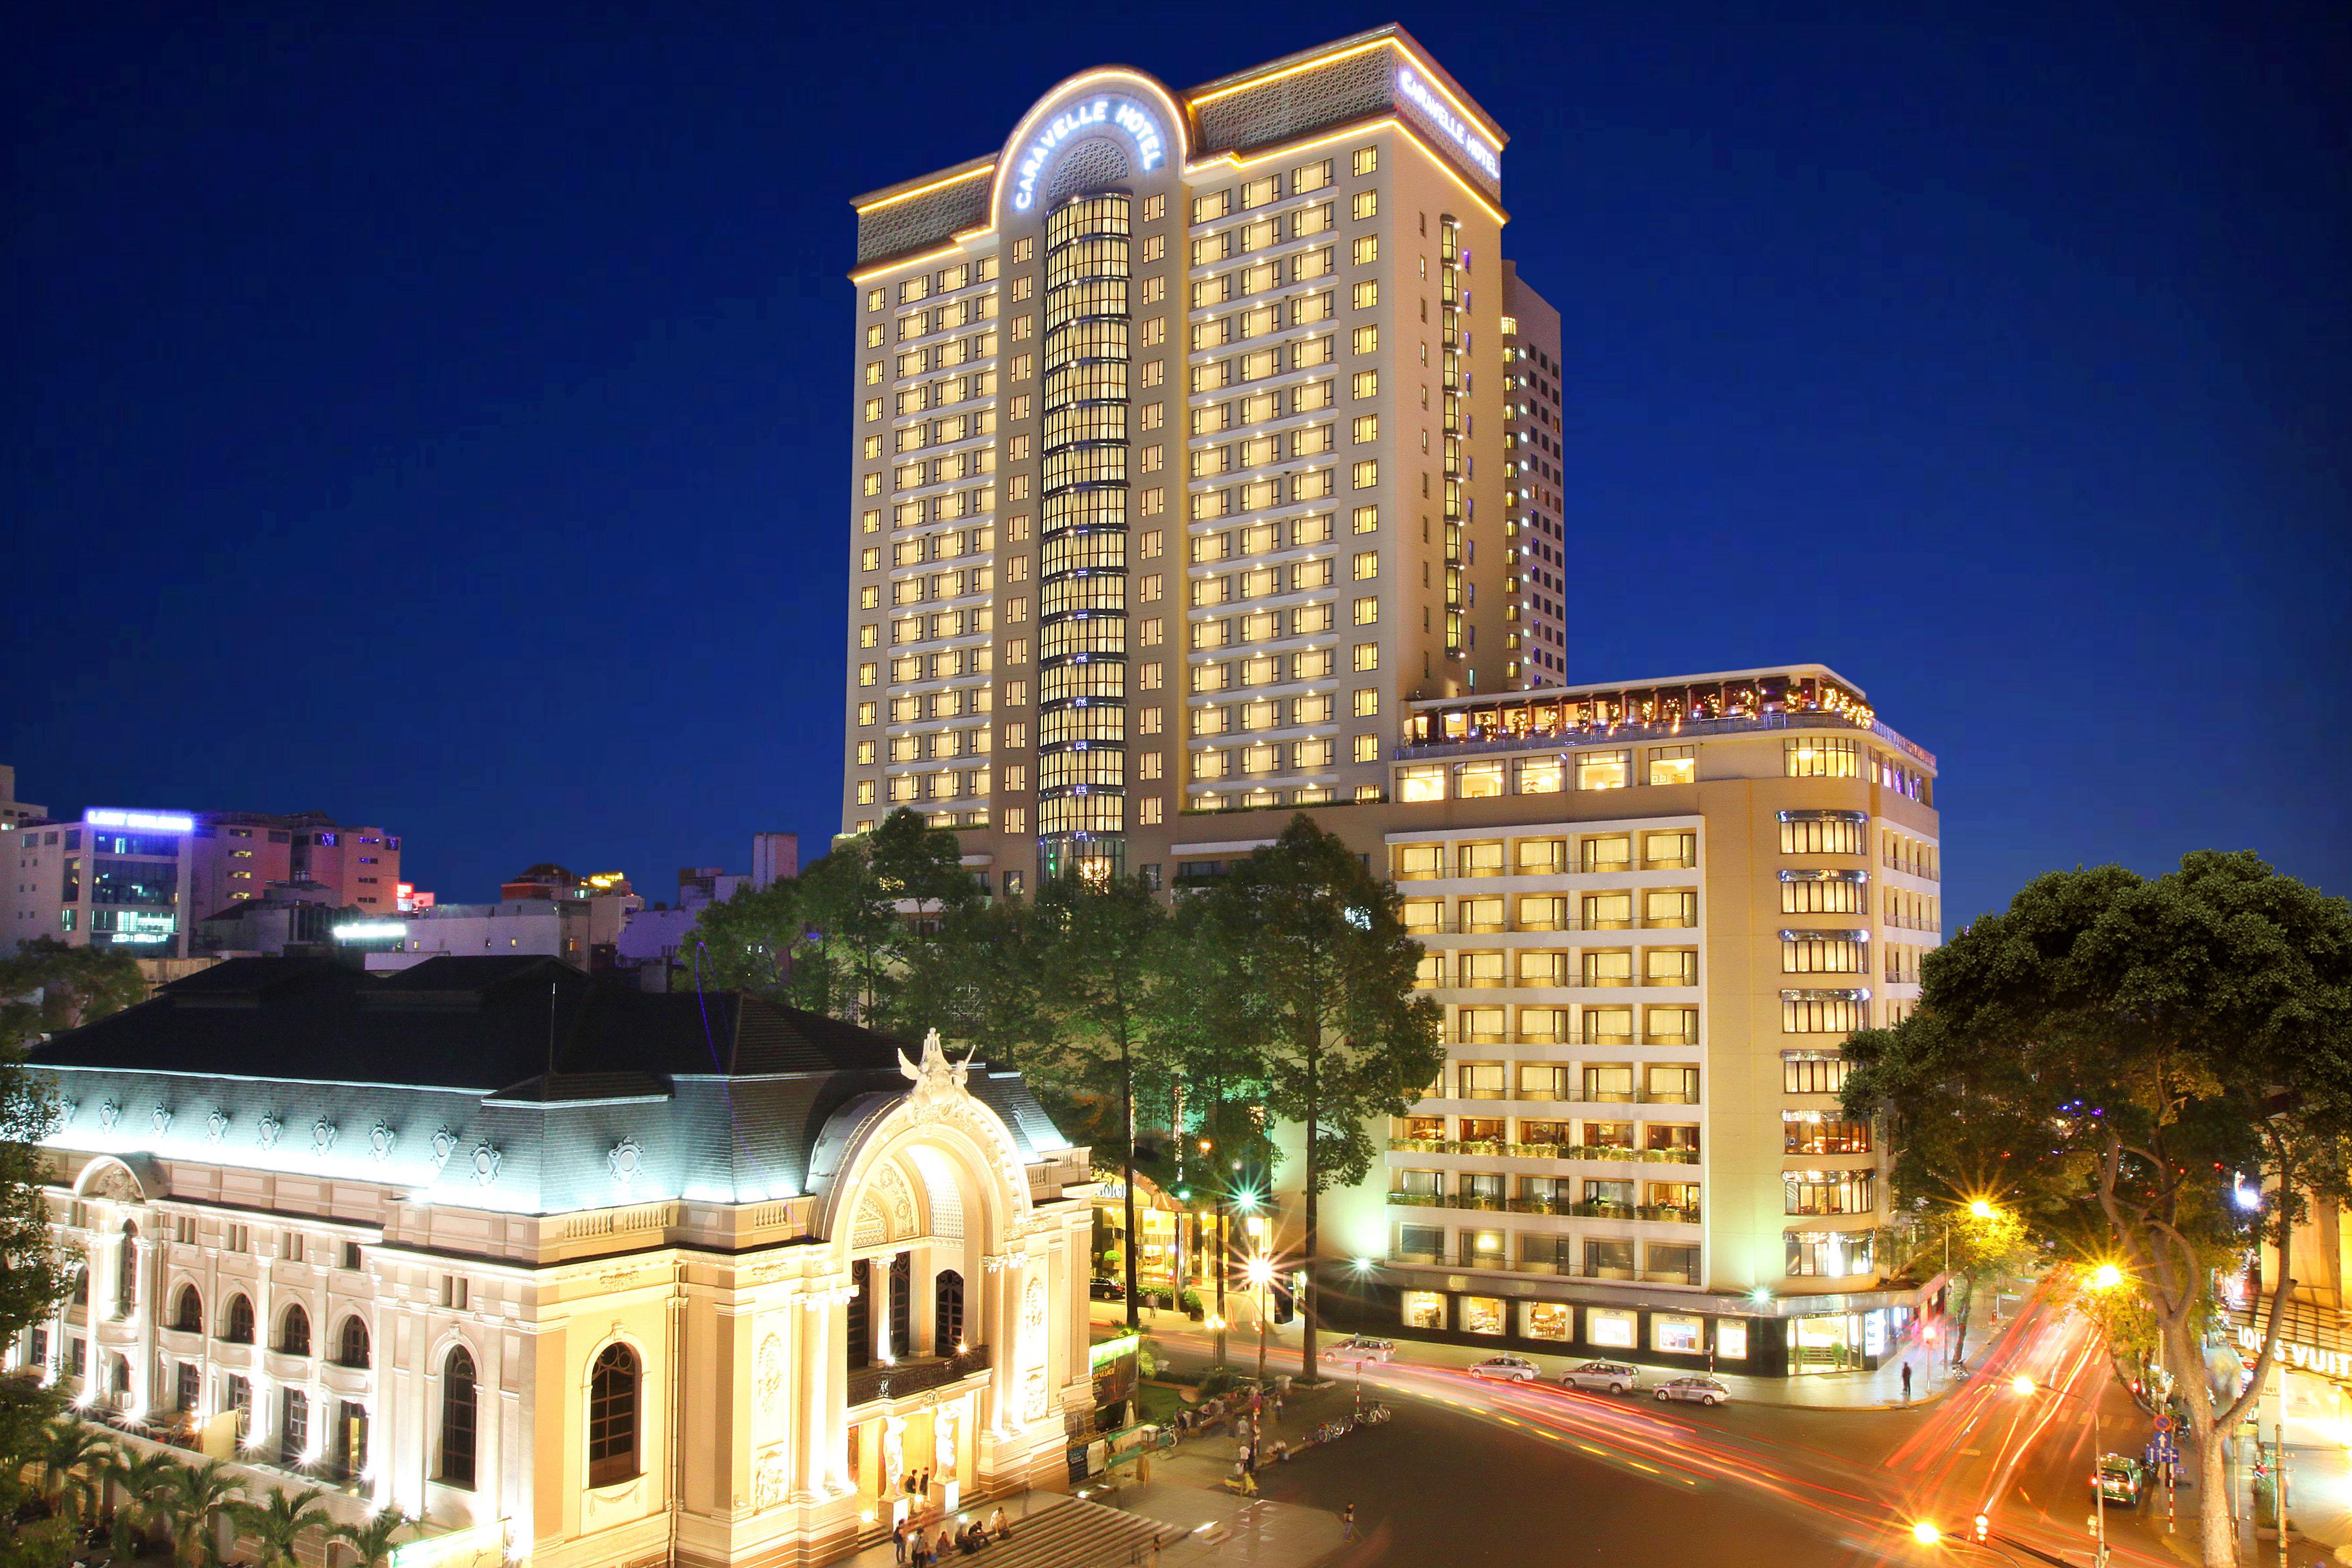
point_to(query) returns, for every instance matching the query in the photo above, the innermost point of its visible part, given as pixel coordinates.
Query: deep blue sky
(435, 417)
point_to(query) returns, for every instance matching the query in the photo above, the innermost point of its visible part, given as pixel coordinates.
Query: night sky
(437, 418)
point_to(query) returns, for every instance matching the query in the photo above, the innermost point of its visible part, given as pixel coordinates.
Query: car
(1614, 1377)
(1105, 1289)
(1700, 1390)
(2121, 1479)
(1362, 1347)
(1509, 1368)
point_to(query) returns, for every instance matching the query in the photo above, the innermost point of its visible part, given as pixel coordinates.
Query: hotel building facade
(1209, 466)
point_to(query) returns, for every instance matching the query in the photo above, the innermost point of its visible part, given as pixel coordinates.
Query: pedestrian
(1348, 1523)
(898, 1542)
(1907, 1382)
(1277, 1407)
(916, 1548)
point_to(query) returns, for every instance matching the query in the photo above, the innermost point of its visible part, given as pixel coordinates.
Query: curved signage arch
(1117, 105)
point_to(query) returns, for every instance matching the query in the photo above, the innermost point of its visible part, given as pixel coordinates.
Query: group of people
(917, 1548)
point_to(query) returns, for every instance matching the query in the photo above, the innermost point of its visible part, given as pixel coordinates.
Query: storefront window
(1549, 1321)
(1424, 1309)
(1605, 1326)
(1673, 1331)
(1731, 1339)
(1482, 1315)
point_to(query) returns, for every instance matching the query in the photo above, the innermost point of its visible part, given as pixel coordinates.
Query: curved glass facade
(1083, 494)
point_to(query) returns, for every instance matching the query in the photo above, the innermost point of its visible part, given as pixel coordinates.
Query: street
(1539, 1473)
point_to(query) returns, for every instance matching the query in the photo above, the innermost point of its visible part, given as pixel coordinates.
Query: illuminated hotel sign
(145, 821)
(1144, 130)
(370, 931)
(1471, 142)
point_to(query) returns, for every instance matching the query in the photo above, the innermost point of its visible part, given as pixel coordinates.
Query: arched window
(81, 1287)
(857, 1338)
(947, 1312)
(352, 1348)
(613, 1417)
(902, 1306)
(458, 1413)
(188, 1311)
(237, 1327)
(126, 1271)
(294, 1332)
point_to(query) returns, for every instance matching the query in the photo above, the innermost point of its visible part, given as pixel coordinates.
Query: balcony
(1501, 1150)
(867, 1384)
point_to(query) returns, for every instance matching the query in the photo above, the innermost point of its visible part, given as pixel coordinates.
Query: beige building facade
(668, 1297)
(1179, 455)
(1653, 913)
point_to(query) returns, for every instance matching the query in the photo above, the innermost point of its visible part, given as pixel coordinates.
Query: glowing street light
(2107, 1277)
(1260, 1271)
(1926, 1534)
(1981, 1209)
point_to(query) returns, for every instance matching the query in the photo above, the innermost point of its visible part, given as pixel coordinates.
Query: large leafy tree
(748, 943)
(1100, 942)
(2111, 1056)
(1323, 970)
(48, 986)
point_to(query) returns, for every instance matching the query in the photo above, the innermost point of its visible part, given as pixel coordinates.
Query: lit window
(1366, 160)
(1422, 780)
(1604, 770)
(1674, 764)
(1366, 340)
(1367, 204)
(1367, 249)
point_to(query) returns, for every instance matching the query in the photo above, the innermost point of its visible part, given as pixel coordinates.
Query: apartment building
(235, 856)
(1179, 455)
(1534, 524)
(113, 878)
(1653, 912)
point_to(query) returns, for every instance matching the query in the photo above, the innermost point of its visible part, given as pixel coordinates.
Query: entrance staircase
(1072, 1533)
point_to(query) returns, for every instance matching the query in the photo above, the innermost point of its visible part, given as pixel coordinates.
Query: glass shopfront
(1549, 1321)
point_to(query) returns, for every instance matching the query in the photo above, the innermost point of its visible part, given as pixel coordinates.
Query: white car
(1509, 1368)
(1610, 1376)
(1362, 1347)
(1701, 1390)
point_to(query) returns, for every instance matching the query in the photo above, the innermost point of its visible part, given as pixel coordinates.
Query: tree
(1975, 1246)
(278, 1523)
(27, 1410)
(852, 930)
(1100, 943)
(979, 984)
(372, 1542)
(72, 1457)
(1322, 971)
(140, 1481)
(920, 864)
(48, 987)
(2115, 1056)
(197, 1497)
(747, 942)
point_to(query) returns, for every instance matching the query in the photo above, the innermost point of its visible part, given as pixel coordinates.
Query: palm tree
(280, 1523)
(71, 1456)
(197, 1496)
(141, 1478)
(373, 1541)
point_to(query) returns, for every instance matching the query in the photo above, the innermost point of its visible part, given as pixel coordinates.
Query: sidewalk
(1879, 1390)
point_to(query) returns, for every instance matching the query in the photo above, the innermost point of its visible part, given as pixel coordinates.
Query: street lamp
(1261, 1274)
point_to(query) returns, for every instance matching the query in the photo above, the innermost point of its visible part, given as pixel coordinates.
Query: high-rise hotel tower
(1180, 456)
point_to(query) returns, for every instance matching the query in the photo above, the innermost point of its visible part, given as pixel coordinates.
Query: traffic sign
(2164, 1423)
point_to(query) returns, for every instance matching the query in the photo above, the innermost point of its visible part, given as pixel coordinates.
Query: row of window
(1673, 847)
(1591, 1024)
(1263, 364)
(943, 394)
(1549, 774)
(1592, 968)
(1677, 1085)
(945, 280)
(1266, 189)
(1607, 1328)
(1608, 910)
